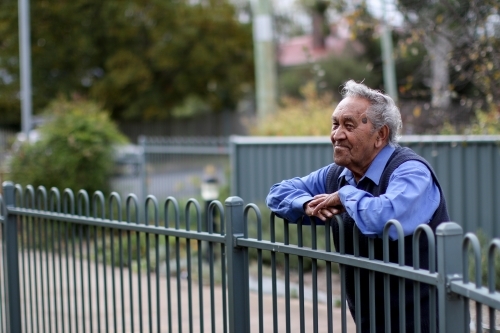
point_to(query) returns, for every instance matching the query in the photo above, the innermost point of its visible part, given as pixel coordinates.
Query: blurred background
(142, 96)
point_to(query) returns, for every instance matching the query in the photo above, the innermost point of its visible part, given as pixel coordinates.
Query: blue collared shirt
(411, 197)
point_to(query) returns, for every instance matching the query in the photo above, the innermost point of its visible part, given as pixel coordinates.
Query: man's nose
(337, 134)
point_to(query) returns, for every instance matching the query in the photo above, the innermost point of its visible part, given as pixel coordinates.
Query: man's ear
(382, 136)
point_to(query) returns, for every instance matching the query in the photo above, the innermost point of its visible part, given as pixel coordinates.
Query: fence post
(237, 259)
(12, 262)
(449, 247)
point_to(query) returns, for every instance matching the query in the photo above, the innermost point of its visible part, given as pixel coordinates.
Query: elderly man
(371, 181)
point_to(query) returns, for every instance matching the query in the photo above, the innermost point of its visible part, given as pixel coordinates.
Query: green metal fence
(80, 263)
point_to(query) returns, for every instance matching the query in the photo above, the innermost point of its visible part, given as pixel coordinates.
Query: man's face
(353, 136)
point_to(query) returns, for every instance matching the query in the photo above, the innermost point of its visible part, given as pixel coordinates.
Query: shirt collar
(375, 169)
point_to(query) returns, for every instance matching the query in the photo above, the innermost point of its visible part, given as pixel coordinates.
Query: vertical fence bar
(273, 275)
(287, 276)
(32, 303)
(61, 273)
(32, 279)
(35, 278)
(82, 278)
(23, 225)
(178, 271)
(342, 268)
(48, 309)
(3, 288)
(471, 240)
(449, 242)
(329, 298)
(259, 276)
(200, 261)
(239, 312)
(314, 278)
(157, 274)
(189, 280)
(75, 277)
(10, 241)
(97, 291)
(210, 229)
(68, 276)
(89, 278)
(300, 244)
(223, 255)
(371, 282)
(113, 278)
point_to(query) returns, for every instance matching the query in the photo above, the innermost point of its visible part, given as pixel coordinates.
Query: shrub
(299, 117)
(75, 149)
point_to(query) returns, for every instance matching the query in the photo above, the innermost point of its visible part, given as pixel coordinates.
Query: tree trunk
(318, 31)
(439, 48)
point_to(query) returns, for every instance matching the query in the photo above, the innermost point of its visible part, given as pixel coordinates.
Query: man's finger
(321, 216)
(317, 209)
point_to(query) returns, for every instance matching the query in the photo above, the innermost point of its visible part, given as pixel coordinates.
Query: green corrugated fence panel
(467, 167)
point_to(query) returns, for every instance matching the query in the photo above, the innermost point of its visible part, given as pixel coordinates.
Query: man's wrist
(300, 203)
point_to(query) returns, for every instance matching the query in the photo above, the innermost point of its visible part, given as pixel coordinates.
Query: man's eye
(335, 126)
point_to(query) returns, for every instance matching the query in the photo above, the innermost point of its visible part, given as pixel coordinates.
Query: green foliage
(486, 123)
(75, 149)
(469, 26)
(140, 59)
(409, 53)
(299, 117)
(411, 76)
(328, 74)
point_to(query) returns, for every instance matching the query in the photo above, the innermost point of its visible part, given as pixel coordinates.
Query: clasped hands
(324, 206)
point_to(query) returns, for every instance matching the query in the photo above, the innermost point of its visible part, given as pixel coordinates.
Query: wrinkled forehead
(351, 108)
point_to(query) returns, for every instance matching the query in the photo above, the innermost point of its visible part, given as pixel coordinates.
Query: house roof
(299, 50)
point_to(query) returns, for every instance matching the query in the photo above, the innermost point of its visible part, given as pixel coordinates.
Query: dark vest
(333, 182)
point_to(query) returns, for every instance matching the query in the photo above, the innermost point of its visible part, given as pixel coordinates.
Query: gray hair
(382, 110)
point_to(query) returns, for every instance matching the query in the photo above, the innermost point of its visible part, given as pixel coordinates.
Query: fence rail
(86, 264)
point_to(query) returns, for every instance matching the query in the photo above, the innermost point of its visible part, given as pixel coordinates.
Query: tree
(139, 58)
(462, 43)
(75, 149)
(318, 11)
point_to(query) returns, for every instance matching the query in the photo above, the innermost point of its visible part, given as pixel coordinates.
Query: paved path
(101, 305)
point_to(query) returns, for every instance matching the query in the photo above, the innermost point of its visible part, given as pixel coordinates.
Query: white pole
(265, 61)
(25, 65)
(388, 60)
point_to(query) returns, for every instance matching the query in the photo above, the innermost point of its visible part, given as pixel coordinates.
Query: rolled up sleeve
(288, 197)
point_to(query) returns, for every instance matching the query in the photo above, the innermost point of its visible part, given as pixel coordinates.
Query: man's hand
(324, 206)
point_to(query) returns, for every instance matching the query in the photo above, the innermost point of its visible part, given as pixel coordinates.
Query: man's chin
(339, 161)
